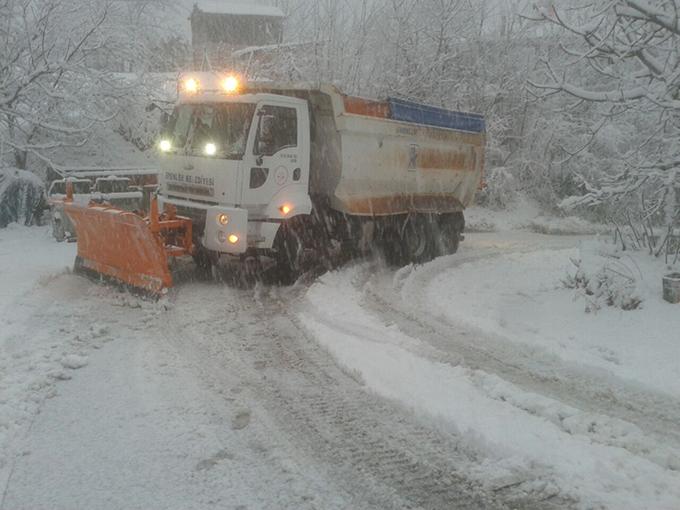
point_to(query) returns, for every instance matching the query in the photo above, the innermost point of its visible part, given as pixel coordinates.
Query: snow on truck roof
(238, 8)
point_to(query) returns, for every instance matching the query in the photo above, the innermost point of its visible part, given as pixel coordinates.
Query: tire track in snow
(374, 452)
(590, 390)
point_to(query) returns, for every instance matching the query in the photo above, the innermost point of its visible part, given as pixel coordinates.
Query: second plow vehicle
(282, 176)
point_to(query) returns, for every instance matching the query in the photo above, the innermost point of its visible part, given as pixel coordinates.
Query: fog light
(233, 239)
(223, 219)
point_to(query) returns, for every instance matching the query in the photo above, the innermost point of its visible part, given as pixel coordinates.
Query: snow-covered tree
(69, 67)
(623, 58)
(48, 95)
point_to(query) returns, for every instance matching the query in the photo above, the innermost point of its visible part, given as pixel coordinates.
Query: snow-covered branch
(43, 74)
(626, 53)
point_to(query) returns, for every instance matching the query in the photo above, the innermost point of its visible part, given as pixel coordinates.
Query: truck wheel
(420, 239)
(204, 264)
(58, 230)
(289, 254)
(450, 229)
(413, 243)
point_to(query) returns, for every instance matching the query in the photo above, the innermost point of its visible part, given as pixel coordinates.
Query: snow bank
(525, 215)
(30, 358)
(591, 458)
(21, 193)
(27, 257)
(569, 225)
(521, 298)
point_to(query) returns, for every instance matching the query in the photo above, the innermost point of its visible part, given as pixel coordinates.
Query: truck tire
(450, 228)
(302, 246)
(289, 254)
(204, 262)
(58, 230)
(409, 241)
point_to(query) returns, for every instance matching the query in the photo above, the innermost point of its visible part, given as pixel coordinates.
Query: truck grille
(197, 217)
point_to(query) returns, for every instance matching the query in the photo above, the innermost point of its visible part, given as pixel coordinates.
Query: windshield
(226, 125)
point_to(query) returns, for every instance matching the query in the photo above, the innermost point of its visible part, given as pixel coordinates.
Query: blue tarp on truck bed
(408, 111)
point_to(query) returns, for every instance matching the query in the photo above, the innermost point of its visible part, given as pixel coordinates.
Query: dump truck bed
(390, 157)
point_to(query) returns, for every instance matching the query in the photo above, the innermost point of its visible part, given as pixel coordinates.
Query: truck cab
(236, 163)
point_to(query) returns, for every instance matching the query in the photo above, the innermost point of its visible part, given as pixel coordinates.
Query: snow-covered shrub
(604, 276)
(606, 286)
(21, 197)
(569, 225)
(500, 190)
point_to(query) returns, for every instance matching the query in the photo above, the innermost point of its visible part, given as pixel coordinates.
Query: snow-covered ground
(590, 456)
(474, 381)
(521, 298)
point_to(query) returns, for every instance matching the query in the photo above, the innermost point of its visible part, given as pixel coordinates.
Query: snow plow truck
(292, 174)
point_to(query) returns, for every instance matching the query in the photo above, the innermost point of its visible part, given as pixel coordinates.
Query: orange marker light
(285, 209)
(191, 85)
(231, 84)
(233, 239)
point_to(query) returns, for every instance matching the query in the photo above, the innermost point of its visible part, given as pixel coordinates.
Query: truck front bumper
(229, 229)
(226, 230)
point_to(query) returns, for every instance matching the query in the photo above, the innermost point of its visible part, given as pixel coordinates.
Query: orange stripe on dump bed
(368, 107)
(402, 204)
(435, 159)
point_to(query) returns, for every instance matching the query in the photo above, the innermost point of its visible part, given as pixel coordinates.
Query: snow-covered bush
(603, 276)
(565, 226)
(21, 197)
(501, 189)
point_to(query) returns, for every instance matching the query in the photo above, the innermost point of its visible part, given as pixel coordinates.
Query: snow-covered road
(352, 392)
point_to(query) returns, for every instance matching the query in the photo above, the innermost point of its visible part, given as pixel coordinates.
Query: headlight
(223, 219)
(165, 145)
(233, 239)
(210, 149)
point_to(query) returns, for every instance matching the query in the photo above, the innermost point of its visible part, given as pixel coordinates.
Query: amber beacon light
(231, 84)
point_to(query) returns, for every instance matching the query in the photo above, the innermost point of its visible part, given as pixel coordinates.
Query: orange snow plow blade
(127, 247)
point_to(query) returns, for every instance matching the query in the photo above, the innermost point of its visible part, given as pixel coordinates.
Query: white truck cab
(236, 163)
